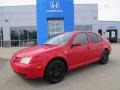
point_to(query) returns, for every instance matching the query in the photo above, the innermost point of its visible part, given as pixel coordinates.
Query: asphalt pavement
(91, 77)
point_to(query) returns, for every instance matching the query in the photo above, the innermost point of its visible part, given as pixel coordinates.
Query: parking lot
(92, 77)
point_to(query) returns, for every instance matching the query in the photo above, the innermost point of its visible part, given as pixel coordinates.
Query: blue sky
(108, 9)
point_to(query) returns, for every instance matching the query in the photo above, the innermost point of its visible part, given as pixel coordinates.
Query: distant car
(61, 54)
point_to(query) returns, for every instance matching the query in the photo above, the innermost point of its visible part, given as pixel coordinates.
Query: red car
(61, 54)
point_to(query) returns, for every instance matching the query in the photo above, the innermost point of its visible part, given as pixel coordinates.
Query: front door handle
(88, 47)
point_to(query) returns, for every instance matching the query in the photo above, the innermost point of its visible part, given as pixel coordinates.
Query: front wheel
(55, 71)
(105, 57)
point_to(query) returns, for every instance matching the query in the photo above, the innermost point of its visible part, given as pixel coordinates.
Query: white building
(110, 29)
(18, 24)
(15, 22)
(86, 17)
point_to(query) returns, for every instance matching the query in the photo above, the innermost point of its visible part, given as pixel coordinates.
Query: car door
(95, 46)
(78, 54)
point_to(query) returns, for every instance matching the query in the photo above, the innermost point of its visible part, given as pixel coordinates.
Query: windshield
(61, 39)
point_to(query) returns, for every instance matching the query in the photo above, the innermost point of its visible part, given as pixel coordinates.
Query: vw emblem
(55, 4)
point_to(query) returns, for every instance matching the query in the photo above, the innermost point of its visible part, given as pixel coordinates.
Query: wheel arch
(107, 49)
(57, 58)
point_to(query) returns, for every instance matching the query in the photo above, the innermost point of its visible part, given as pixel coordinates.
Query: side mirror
(76, 44)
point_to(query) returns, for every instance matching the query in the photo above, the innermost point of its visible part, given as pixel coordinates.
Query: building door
(1, 37)
(112, 35)
(100, 32)
(55, 27)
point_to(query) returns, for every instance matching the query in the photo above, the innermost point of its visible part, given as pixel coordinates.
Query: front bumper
(28, 71)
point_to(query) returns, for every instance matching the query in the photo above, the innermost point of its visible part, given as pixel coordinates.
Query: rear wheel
(55, 71)
(105, 57)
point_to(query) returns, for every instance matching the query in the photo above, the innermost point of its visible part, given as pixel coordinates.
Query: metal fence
(23, 43)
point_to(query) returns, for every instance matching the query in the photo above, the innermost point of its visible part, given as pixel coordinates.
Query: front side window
(93, 37)
(81, 38)
(61, 39)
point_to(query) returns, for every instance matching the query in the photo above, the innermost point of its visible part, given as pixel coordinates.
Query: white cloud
(16, 2)
(86, 1)
(27, 2)
(109, 10)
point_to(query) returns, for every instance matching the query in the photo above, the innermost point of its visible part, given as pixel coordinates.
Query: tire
(55, 71)
(105, 57)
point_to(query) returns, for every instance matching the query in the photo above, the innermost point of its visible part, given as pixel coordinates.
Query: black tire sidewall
(47, 75)
(102, 61)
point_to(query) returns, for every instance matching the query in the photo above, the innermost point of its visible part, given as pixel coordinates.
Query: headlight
(25, 60)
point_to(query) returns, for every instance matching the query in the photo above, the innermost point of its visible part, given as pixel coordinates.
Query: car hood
(32, 51)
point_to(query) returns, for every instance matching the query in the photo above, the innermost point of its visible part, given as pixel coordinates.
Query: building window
(1, 37)
(83, 27)
(55, 27)
(113, 34)
(23, 36)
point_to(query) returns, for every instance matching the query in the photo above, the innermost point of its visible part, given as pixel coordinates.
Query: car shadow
(71, 75)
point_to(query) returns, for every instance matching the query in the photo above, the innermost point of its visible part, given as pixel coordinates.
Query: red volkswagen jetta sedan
(61, 54)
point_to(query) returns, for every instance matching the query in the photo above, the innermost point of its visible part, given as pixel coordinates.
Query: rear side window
(94, 38)
(99, 38)
(81, 38)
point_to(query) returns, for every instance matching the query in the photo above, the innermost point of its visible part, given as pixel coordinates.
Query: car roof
(77, 31)
(83, 31)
